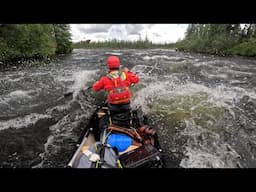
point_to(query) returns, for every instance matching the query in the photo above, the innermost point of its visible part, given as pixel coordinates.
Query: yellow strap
(110, 121)
(97, 164)
(138, 135)
(119, 163)
(123, 76)
(114, 75)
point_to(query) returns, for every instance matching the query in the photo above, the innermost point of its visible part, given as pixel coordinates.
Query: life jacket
(120, 93)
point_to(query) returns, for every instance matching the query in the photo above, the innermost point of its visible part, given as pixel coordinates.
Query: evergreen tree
(18, 41)
(220, 39)
(63, 38)
(26, 41)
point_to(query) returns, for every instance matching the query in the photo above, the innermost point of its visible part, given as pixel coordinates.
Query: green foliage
(25, 41)
(244, 49)
(63, 38)
(220, 39)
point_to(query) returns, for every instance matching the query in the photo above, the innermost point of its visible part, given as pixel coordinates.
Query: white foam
(12, 76)
(15, 95)
(20, 94)
(213, 63)
(199, 154)
(141, 53)
(199, 159)
(175, 58)
(239, 72)
(39, 74)
(15, 80)
(152, 92)
(224, 157)
(218, 75)
(219, 96)
(22, 122)
(238, 82)
(113, 53)
(50, 140)
(62, 78)
(80, 79)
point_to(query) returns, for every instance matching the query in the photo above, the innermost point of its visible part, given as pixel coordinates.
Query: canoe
(123, 140)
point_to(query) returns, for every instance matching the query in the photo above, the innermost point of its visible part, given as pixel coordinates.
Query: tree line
(220, 39)
(27, 41)
(121, 44)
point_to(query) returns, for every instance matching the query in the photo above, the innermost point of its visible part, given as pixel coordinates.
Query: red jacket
(107, 84)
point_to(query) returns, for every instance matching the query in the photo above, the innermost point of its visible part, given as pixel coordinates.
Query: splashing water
(199, 118)
(80, 80)
(203, 107)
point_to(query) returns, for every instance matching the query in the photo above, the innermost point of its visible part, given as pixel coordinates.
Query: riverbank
(220, 39)
(29, 42)
(234, 52)
(221, 55)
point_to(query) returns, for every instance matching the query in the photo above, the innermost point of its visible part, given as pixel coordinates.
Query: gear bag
(99, 156)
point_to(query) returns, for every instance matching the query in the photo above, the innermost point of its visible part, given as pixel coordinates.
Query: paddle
(71, 92)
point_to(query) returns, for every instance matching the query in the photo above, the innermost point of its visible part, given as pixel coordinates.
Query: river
(203, 107)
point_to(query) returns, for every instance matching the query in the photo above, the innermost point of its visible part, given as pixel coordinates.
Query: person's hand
(125, 69)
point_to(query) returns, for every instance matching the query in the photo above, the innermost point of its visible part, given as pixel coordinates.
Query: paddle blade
(68, 94)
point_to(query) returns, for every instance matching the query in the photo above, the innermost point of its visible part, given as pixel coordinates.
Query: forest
(220, 39)
(33, 41)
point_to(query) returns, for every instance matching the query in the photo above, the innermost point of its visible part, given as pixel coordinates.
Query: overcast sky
(157, 33)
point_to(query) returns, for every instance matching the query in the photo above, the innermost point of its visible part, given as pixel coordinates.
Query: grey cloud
(101, 35)
(95, 28)
(129, 29)
(117, 32)
(133, 29)
(157, 34)
(150, 25)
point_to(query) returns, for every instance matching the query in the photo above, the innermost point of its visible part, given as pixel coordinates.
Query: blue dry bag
(120, 141)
